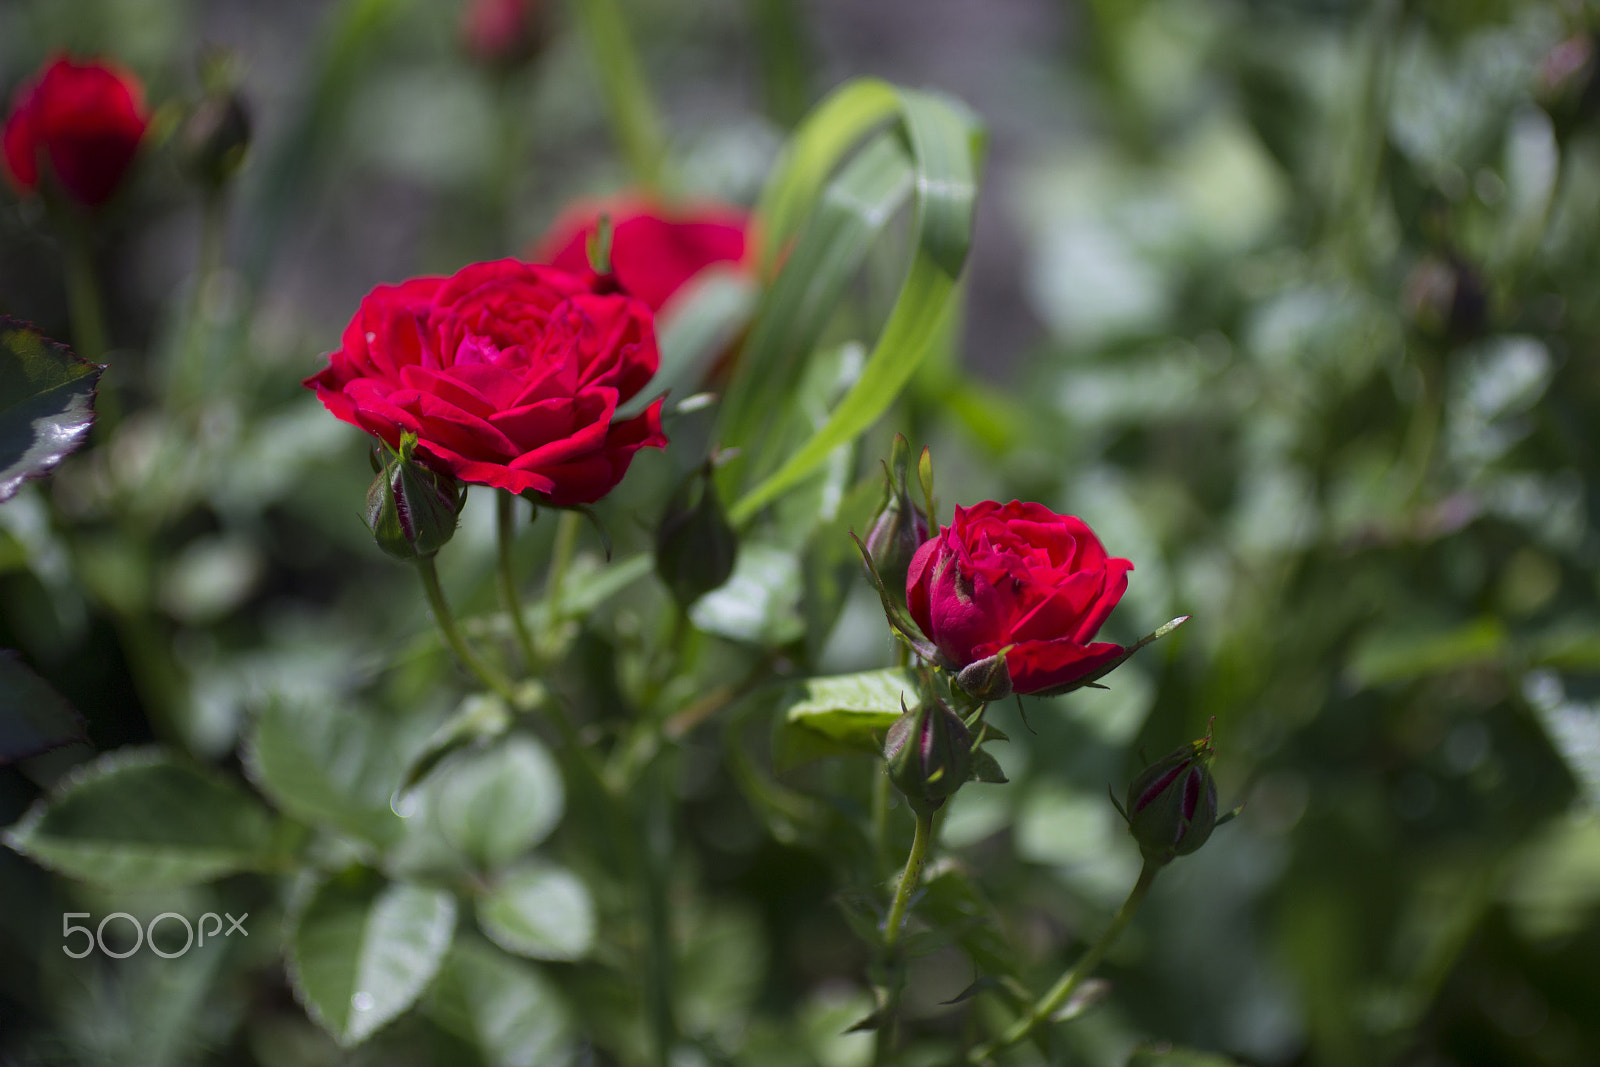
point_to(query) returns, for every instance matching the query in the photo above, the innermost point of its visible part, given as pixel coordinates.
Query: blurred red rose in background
(654, 250)
(508, 373)
(81, 122)
(1018, 575)
(503, 31)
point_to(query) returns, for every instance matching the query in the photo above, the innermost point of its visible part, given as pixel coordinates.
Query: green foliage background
(1294, 303)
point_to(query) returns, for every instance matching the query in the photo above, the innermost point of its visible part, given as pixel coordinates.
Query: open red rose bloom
(1018, 575)
(655, 251)
(508, 373)
(82, 121)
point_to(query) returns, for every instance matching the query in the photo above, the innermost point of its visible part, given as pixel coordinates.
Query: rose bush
(655, 250)
(508, 373)
(1020, 578)
(81, 122)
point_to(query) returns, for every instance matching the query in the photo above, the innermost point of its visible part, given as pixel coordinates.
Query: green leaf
(952, 902)
(946, 142)
(854, 708)
(327, 765)
(856, 207)
(511, 1012)
(832, 128)
(1164, 1055)
(361, 950)
(702, 321)
(138, 818)
(759, 604)
(1394, 656)
(539, 910)
(495, 804)
(34, 718)
(46, 403)
(985, 768)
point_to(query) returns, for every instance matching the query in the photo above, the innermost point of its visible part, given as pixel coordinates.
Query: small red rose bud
(412, 509)
(503, 32)
(900, 526)
(696, 546)
(928, 751)
(75, 126)
(1172, 804)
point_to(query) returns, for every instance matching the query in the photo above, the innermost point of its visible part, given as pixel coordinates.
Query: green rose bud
(412, 509)
(696, 547)
(215, 137)
(986, 680)
(900, 527)
(928, 751)
(1172, 804)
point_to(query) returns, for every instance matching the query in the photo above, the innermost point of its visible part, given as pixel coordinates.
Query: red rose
(81, 122)
(1017, 576)
(509, 374)
(502, 31)
(654, 250)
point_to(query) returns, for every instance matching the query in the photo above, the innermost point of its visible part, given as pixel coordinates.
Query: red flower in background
(1017, 576)
(508, 373)
(81, 122)
(654, 250)
(503, 31)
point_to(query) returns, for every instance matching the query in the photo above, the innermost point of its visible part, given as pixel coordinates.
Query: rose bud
(1020, 582)
(655, 250)
(900, 527)
(986, 680)
(503, 33)
(412, 509)
(696, 547)
(928, 751)
(77, 125)
(1172, 804)
(215, 138)
(1447, 299)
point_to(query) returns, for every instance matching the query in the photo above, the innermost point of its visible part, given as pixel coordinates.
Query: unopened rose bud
(928, 751)
(1447, 298)
(986, 680)
(900, 526)
(215, 138)
(503, 33)
(1172, 804)
(696, 547)
(412, 509)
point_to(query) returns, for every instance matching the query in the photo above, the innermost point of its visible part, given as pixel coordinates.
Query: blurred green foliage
(1292, 302)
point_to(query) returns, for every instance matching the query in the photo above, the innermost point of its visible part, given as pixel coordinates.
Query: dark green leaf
(34, 718)
(46, 403)
(139, 818)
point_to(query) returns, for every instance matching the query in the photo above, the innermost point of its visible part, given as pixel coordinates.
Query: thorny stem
(1052, 1001)
(452, 636)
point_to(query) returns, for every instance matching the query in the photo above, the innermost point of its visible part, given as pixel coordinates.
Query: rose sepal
(899, 618)
(1089, 680)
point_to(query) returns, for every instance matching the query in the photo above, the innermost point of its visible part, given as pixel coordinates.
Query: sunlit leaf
(854, 708)
(494, 805)
(361, 950)
(539, 910)
(46, 403)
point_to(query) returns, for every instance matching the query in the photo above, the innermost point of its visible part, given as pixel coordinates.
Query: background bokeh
(1294, 302)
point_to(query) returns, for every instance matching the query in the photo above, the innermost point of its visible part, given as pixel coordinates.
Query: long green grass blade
(947, 143)
(822, 141)
(634, 121)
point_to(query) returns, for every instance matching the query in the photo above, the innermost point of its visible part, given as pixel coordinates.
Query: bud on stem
(412, 509)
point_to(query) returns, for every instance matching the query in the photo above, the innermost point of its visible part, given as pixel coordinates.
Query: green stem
(506, 525)
(560, 561)
(915, 861)
(83, 294)
(190, 368)
(656, 832)
(1052, 1001)
(634, 121)
(452, 636)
